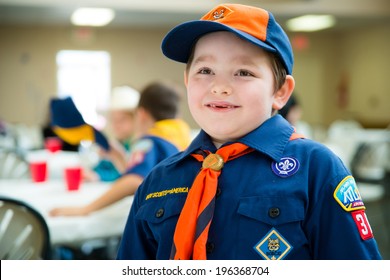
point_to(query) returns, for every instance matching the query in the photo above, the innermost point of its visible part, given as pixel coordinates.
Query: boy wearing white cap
(124, 101)
(121, 113)
(248, 186)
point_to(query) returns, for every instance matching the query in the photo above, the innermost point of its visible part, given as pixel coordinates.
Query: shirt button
(160, 213)
(209, 247)
(218, 193)
(274, 212)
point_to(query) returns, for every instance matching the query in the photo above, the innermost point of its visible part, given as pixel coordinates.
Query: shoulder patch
(138, 151)
(362, 224)
(143, 145)
(347, 195)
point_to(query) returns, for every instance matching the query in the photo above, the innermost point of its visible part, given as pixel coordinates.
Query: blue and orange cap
(252, 24)
(70, 126)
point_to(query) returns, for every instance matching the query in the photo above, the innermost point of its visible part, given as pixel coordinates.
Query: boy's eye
(244, 73)
(204, 71)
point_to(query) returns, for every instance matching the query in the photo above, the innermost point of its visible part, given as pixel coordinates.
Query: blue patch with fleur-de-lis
(286, 167)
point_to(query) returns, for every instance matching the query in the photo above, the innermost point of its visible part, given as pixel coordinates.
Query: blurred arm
(124, 186)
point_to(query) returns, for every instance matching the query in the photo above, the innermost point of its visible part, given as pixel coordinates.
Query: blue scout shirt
(147, 152)
(288, 199)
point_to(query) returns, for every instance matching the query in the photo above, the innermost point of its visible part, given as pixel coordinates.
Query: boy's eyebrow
(240, 59)
(203, 58)
(244, 60)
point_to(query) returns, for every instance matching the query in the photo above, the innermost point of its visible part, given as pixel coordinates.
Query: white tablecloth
(107, 222)
(58, 161)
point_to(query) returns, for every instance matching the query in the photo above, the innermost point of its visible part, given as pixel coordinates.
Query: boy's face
(122, 123)
(230, 86)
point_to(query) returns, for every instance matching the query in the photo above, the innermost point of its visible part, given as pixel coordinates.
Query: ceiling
(167, 13)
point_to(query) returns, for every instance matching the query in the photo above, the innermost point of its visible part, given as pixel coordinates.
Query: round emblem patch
(286, 167)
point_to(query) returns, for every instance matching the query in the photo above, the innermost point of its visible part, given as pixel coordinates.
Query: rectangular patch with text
(362, 224)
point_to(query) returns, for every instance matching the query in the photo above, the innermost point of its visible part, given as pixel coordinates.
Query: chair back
(24, 234)
(13, 165)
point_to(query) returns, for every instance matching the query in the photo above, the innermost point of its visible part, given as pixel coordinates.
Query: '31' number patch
(362, 224)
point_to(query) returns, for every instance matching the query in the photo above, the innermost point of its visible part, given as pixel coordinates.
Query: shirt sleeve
(337, 225)
(143, 158)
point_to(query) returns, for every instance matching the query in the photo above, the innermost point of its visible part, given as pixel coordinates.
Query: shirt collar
(269, 138)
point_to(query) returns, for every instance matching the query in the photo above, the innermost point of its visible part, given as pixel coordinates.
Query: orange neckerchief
(189, 241)
(191, 232)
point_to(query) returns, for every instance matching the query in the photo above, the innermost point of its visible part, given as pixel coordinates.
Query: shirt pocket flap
(272, 210)
(159, 210)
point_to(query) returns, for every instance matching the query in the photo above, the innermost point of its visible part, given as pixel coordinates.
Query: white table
(58, 161)
(105, 223)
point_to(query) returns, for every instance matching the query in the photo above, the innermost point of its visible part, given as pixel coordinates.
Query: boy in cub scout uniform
(159, 134)
(248, 186)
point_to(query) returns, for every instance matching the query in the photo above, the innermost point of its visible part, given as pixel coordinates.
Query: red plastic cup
(53, 144)
(73, 177)
(38, 171)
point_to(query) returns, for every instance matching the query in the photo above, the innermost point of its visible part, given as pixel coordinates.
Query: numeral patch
(362, 224)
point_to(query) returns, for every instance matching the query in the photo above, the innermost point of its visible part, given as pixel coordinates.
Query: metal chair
(13, 164)
(24, 234)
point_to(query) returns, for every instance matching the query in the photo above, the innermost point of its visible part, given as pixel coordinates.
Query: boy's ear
(283, 94)
(185, 78)
(141, 112)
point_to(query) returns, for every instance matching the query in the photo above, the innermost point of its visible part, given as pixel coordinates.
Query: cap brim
(178, 43)
(86, 132)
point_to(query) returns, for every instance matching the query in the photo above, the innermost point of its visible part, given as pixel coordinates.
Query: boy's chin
(225, 136)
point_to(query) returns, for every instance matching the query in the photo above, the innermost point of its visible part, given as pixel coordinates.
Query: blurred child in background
(293, 112)
(121, 116)
(158, 135)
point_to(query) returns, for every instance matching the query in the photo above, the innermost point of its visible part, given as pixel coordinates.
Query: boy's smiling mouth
(221, 106)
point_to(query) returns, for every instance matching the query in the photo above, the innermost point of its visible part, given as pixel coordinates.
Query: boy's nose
(221, 88)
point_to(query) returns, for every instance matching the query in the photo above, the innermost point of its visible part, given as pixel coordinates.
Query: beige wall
(358, 60)
(367, 58)
(28, 69)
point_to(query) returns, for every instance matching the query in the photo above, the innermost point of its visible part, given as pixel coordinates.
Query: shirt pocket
(276, 210)
(159, 210)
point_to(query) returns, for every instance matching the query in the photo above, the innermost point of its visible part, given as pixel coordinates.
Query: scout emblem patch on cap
(273, 246)
(348, 196)
(286, 167)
